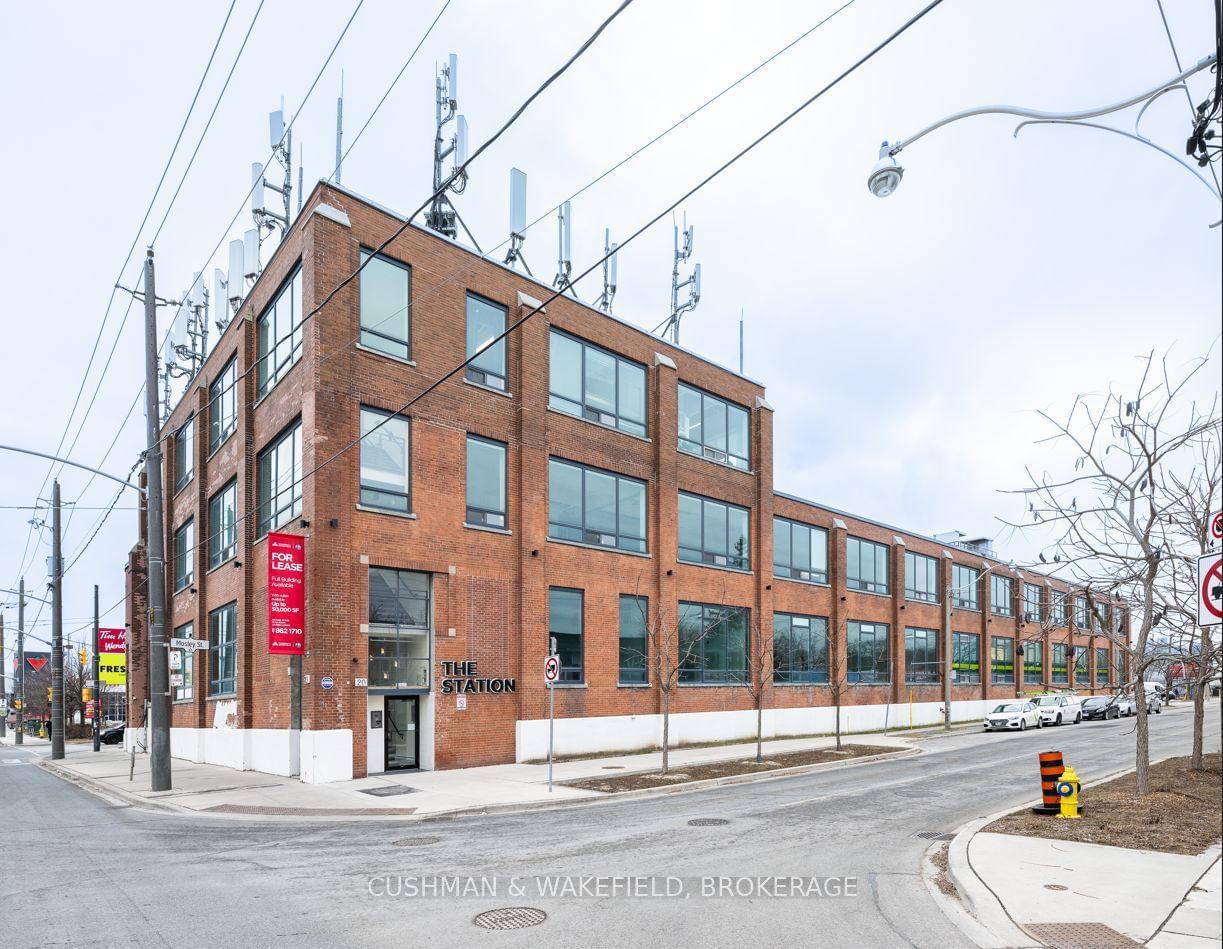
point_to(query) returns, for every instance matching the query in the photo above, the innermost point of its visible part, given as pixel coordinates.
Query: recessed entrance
(400, 732)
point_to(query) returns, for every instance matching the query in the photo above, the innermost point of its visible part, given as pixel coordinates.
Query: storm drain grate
(707, 822)
(510, 917)
(391, 790)
(934, 835)
(416, 841)
(1079, 936)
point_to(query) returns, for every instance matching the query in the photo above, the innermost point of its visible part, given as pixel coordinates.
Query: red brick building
(582, 480)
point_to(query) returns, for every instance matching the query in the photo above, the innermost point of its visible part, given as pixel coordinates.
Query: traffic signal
(86, 695)
(48, 693)
(83, 655)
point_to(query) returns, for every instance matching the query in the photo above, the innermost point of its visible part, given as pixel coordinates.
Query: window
(713, 428)
(565, 625)
(1002, 660)
(485, 482)
(922, 664)
(634, 640)
(1082, 613)
(713, 644)
(279, 329)
(385, 461)
(182, 677)
(1002, 595)
(965, 657)
(800, 648)
(1058, 609)
(1121, 621)
(223, 650)
(594, 384)
(485, 322)
(589, 506)
(1060, 669)
(222, 525)
(921, 577)
(714, 533)
(866, 652)
(1078, 660)
(799, 552)
(223, 405)
(1032, 613)
(866, 565)
(399, 626)
(965, 587)
(184, 454)
(280, 473)
(1101, 665)
(386, 305)
(184, 556)
(1118, 668)
(1033, 663)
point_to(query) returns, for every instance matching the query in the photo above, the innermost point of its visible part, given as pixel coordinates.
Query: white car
(1125, 705)
(1059, 709)
(1012, 715)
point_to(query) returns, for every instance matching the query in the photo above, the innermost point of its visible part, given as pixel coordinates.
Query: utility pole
(19, 693)
(159, 660)
(4, 677)
(97, 680)
(948, 672)
(57, 631)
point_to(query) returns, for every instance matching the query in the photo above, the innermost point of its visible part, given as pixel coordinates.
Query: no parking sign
(1210, 590)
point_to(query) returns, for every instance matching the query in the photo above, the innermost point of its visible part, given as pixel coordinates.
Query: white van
(1155, 697)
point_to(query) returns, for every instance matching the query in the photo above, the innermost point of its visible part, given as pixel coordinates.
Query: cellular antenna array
(670, 327)
(442, 215)
(281, 139)
(609, 272)
(518, 218)
(564, 254)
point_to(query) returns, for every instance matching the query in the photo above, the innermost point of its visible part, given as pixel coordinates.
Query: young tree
(762, 667)
(1107, 511)
(838, 646)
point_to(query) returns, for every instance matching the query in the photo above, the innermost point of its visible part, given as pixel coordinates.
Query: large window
(485, 482)
(921, 577)
(592, 383)
(866, 652)
(965, 587)
(223, 405)
(1101, 665)
(713, 428)
(386, 466)
(634, 640)
(279, 329)
(223, 525)
(1082, 613)
(223, 650)
(280, 476)
(1032, 612)
(184, 454)
(182, 668)
(1060, 668)
(1118, 668)
(1121, 621)
(1002, 660)
(399, 625)
(566, 626)
(184, 556)
(800, 648)
(965, 657)
(1002, 595)
(922, 664)
(713, 644)
(386, 307)
(1033, 663)
(589, 506)
(1058, 608)
(713, 533)
(1078, 659)
(866, 565)
(800, 552)
(485, 322)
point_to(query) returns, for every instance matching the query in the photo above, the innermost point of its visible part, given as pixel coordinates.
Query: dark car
(1101, 707)
(114, 734)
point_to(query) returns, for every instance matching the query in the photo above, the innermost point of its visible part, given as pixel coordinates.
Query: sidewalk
(214, 791)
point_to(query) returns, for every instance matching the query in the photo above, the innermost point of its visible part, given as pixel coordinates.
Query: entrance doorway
(402, 741)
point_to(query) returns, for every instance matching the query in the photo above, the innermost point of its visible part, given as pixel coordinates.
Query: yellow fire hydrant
(1068, 790)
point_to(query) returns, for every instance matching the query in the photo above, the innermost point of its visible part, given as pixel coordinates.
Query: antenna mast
(693, 283)
(282, 151)
(609, 272)
(564, 256)
(442, 216)
(339, 131)
(518, 218)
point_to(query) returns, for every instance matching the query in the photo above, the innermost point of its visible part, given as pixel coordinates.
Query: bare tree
(838, 684)
(761, 673)
(1108, 510)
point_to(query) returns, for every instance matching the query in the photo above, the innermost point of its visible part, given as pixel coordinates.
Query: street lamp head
(885, 176)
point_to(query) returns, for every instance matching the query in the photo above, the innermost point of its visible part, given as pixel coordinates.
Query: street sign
(176, 660)
(190, 645)
(1216, 526)
(552, 669)
(327, 682)
(1210, 590)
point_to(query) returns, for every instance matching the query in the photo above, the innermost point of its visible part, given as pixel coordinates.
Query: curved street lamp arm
(73, 464)
(1064, 116)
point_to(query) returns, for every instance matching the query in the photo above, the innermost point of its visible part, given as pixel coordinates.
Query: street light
(885, 176)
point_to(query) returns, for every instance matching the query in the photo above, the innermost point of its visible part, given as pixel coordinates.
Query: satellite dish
(276, 127)
(234, 282)
(460, 141)
(518, 201)
(250, 253)
(256, 186)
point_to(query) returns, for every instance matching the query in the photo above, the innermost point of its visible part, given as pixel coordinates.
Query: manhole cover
(416, 841)
(613, 767)
(707, 822)
(934, 835)
(1079, 936)
(390, 790)
(510, 917)
(1056, 886)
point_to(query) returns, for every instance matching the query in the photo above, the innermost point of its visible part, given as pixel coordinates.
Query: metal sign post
(552, 669)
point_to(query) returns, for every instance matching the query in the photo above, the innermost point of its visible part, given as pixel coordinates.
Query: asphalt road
(80, 871)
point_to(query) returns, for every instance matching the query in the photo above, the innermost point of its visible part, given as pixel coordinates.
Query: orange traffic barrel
(1051, 768)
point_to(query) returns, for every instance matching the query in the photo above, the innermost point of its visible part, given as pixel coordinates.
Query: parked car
(1012, 715)
(1101, 707)
(1059, 709)
(1155, 697)
(114, 734)
(1125, 705)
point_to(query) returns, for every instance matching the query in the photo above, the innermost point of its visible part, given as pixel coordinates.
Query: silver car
(1012, 716)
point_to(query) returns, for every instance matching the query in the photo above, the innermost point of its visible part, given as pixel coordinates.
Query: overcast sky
(904, 342)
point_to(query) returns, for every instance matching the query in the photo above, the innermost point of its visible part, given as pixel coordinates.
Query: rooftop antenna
(518, 218)
(740, 340)
(189, 341)
(220, 296)
(609, 271)
(339, 133)
(693, 283)
(442, 215)
(564, 257)
(250, 255)
(235, 283)
(281, 139)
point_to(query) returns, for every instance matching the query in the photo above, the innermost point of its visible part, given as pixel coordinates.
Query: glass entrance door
(402, 744)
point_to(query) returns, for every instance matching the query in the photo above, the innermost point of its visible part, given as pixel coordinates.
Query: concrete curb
(112, 795)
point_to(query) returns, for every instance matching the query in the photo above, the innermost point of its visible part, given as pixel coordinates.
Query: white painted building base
(317, 756)
(619, 733)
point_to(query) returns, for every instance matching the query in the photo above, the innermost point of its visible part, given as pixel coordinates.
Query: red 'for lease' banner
(286, 594)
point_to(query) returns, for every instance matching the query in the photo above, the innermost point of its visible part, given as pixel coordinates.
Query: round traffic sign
(552, 669)
(1216, 526)
(1211, 583)
(327, 682)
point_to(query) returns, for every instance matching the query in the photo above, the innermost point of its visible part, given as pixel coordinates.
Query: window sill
(589, 421)
(712, 685)
(713, 566)
(808, 583)
(886, 596)
(225, 562)
(406, 515)
(212, 452)
(1002, 615)
(914, 599)
(378, 352)
(274, 385)
(186, 586)
(570, 685)
(713, 461)
(179, 489)
(966, 609)
(634, 685)
(801, 685)
(606, 550)
(222, 695)
(868, 685)
(504, 393)
(487, 530)
(183, 702)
